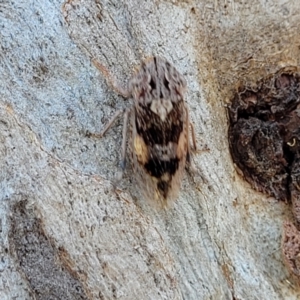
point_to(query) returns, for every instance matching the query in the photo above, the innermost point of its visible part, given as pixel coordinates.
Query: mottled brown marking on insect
(160, 120)
(159, 126)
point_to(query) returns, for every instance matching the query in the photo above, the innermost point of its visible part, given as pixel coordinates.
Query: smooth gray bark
(58, 209)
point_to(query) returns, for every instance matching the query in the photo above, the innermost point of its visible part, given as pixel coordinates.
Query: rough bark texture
(65, 232)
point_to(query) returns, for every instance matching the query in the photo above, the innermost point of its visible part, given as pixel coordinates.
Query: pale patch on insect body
(140, 150)
(161, 107)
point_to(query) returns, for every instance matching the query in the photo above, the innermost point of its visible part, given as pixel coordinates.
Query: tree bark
(66, 232)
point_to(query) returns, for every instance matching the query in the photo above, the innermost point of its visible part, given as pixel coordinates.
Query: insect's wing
(158, 178)
(159, 129)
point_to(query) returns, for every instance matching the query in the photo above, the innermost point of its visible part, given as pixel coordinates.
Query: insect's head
(157, 85)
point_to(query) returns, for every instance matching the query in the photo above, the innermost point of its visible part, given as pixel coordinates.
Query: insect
(159, 123)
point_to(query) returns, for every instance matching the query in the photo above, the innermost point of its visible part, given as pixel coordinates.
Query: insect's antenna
(108, 76)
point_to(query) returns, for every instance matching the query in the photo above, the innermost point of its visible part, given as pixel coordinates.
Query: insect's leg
(193, 136)
(107, 126)
(110, 79)
(123, 149)
(187, 123)
(124, 139)
(189, 166)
